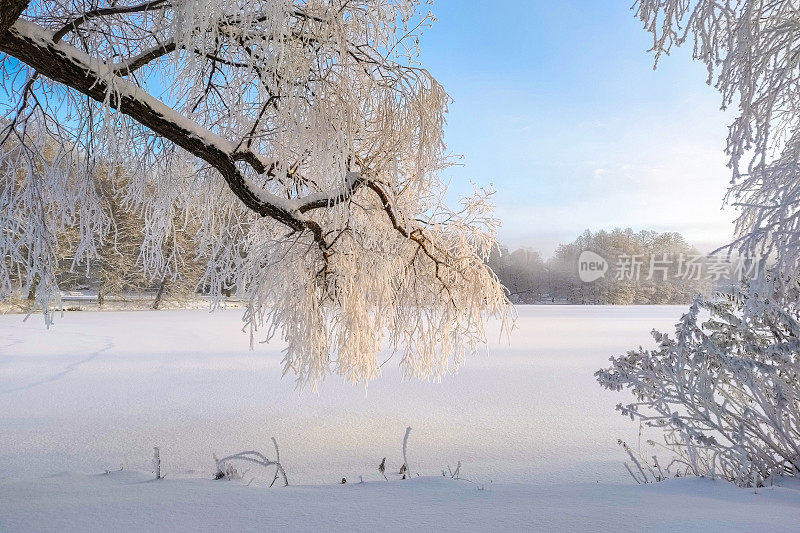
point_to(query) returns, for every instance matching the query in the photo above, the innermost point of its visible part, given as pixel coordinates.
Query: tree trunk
(32, 291)
(160, 294)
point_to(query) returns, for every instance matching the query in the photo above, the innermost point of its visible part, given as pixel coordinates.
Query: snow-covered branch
(63, 63)
(327, 137)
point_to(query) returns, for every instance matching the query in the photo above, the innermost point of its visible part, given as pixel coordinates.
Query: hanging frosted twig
(750, 49)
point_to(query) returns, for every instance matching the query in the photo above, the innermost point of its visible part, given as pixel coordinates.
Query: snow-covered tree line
(726, 388)
(300, 138)
(531, 279)
(116, 269)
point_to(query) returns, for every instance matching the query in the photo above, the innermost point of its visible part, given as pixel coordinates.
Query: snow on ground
(129, 501)
(527, 421)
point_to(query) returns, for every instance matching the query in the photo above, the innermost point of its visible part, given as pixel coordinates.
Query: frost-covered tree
(302, 136)
(751, 50)
(727, 391)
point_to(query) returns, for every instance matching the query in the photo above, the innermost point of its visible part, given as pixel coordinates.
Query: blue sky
(556, 103)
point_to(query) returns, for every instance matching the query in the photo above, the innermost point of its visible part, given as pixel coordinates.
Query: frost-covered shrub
(726, 390)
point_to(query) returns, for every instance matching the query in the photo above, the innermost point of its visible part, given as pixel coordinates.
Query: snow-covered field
(532, 429)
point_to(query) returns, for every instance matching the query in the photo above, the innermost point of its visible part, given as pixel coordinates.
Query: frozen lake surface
(534, 432)
(99, 390)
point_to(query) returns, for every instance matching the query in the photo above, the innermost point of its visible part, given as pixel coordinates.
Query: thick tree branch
(10, 11)
(65, 64)
(321, 200)
(103, 82)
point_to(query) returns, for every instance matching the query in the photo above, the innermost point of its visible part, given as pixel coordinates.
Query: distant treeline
(679, 271)
(644, 267)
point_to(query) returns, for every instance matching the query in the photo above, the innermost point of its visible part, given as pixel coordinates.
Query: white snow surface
(534, 432)
(131, 501)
